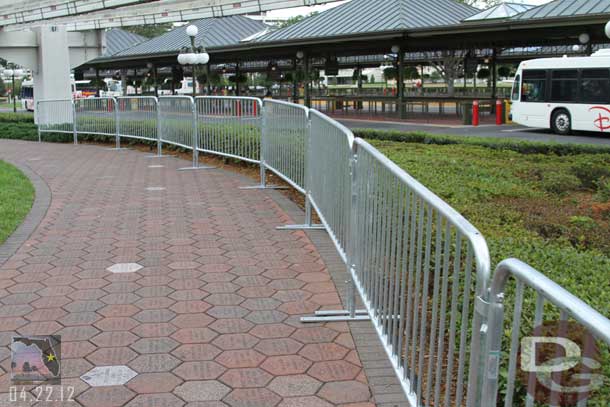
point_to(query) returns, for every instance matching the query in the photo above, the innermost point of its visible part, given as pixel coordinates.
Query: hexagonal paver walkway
(179, 277)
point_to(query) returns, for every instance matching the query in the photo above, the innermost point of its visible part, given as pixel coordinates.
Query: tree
(2, 88)
(151, 30)
(411, 72)
(296, 19)
(449, 66)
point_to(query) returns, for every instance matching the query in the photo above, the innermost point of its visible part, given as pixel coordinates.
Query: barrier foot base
(117, 149)
(301, 227)
(158, 156)
(264, 187)
(336, 316)
(202, 167)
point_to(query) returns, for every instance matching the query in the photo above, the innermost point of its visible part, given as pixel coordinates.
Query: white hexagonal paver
(124, 268)
(108, 376)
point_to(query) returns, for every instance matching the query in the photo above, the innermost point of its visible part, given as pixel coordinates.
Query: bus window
(564, 86)
(534, 86)
(595, 85)
(516, 87)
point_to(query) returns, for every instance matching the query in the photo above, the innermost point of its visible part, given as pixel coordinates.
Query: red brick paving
(212, 317)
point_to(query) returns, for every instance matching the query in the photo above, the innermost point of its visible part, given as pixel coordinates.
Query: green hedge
(520, 146)
(16, 118)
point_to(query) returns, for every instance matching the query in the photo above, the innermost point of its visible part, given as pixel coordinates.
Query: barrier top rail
(481, 251)
(595, 322)
(287, 104)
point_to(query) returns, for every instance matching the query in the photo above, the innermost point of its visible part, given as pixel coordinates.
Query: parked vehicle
(564, 94)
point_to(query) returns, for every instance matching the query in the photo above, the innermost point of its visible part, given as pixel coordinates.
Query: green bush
(523, 147)
(559, 183)
(16, 118)
(591, 172)
(603, 190)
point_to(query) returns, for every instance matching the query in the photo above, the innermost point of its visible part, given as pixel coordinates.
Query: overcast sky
(306, 10)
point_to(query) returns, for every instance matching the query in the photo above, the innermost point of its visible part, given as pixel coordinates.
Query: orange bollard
(254, 110)
(475, 113)
(499, 112)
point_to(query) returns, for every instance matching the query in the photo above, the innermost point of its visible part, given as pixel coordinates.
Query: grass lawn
(16, 197)
(550, 211)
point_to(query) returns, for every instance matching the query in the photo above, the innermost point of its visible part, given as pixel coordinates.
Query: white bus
(564, 94)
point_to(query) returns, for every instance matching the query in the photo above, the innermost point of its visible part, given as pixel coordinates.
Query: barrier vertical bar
(36, 112)
(74, 127)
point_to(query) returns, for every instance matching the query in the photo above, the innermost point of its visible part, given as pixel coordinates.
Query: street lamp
(13, 73)
(195, 57)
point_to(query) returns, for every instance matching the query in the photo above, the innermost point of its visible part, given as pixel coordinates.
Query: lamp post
(197, 56)
(13, 73)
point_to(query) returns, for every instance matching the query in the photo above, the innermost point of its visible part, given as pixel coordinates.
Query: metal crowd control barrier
(96, 116)
(285, 139)
(563, 307)
(55, 116)
(178, 125)
(421, 269)
(422, 272)
(138, 119)
(229, 126)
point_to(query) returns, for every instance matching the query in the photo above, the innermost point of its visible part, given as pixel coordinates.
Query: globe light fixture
(395, 49)
(584, 38)
(192, 30)
(607, 29)
(196, 56)
(300, 54)
(202, 59)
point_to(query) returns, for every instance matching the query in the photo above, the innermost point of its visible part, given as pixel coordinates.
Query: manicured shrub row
(520, 146)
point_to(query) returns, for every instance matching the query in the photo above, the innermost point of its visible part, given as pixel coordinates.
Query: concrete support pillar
(401, 84)
(52, 73)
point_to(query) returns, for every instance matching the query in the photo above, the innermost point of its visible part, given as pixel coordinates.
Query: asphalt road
(505, 131)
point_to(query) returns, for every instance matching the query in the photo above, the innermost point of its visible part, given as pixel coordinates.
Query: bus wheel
(561, 122)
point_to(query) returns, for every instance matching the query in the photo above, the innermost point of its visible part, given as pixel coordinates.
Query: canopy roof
(118, 40)
(502, 10)
(213, 33)
(365, 16)
(566, 8)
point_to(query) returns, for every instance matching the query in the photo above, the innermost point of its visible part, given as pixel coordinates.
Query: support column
(97, 82)
(51, 73)
(401, 84)
(494, 75)
(124, 81)
(306, 82)
(237, 73)
(155, 80)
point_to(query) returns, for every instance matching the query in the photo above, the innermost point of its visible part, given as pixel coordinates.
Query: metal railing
(285, 139)
(230, 126)
(548, 302)
(421, 270)
(55, 116)
(96, 116)
(138, 117)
